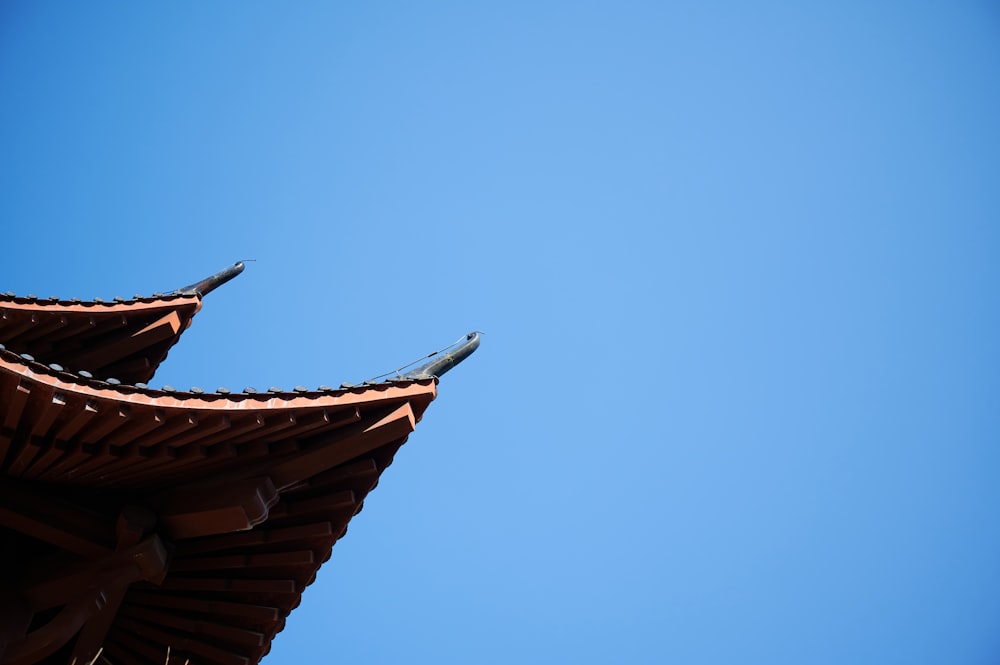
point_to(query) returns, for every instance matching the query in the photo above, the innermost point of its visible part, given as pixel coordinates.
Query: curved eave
(196, 290)
(126, 340)
(446, 360)
(251, 490)
(212, 282)
(95, 434)
(91, 306)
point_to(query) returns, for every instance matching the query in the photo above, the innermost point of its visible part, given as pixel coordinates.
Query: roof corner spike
(211, 283)
(445, 361)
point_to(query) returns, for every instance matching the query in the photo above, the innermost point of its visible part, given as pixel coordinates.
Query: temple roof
(133, 519)
(124, 339)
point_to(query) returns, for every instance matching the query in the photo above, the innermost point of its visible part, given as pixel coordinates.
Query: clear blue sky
(737, 263)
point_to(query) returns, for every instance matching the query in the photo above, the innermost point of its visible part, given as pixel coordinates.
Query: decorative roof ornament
(445, 360)
(210, 283)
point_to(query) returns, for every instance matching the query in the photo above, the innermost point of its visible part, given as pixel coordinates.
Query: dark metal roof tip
(445, 361)
(209, 284)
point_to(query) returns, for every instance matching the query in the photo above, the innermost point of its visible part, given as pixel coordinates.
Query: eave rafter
(125, 341)
(61, 430)
(122, 339)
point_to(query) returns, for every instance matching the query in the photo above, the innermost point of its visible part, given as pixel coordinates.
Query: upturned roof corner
(445, 360)
(210, 283)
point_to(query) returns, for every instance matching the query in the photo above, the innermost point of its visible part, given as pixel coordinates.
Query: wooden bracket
(87, 591)
(236, 505)
(54, 520)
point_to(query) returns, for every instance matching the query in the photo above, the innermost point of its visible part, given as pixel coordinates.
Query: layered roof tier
(134, 519)
(121, 339)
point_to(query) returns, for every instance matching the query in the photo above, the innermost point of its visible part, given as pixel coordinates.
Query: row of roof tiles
(199, 289)
(442, 363)
(10, 296)
(87, 378)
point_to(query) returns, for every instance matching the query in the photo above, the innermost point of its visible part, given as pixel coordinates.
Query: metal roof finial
(445, 361)
(211, 283)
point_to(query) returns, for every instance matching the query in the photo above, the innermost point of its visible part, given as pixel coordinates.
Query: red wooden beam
(63, 523)
(259, 615)
(51, 586)
(234, 506)
(164, 328)
(344, 445)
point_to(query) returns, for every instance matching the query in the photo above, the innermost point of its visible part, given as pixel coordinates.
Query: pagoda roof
(124, 339)
(134, 519)
(85, 431)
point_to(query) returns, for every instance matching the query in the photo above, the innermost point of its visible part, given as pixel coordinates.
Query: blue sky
(737, 266)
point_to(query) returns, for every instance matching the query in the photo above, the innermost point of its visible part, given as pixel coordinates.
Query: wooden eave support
(165, 328)
(328, 451)
(14, 328)
(234, 502)
(133, 524)
(188, 626)
(233, 506)
(89, 589)
(258, 615)
(49, 323)
(45, 641)
(62, 523)
(183, 643)
(41, 328)
(307, 533)
(108, 339)
(85, 590)
(146, 560)
(79, 326)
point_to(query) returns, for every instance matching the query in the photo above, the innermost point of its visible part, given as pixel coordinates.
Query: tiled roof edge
(196, 290)
(84, 378)
(117, 301)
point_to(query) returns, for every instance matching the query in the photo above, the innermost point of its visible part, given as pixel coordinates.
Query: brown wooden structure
(133, 519)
